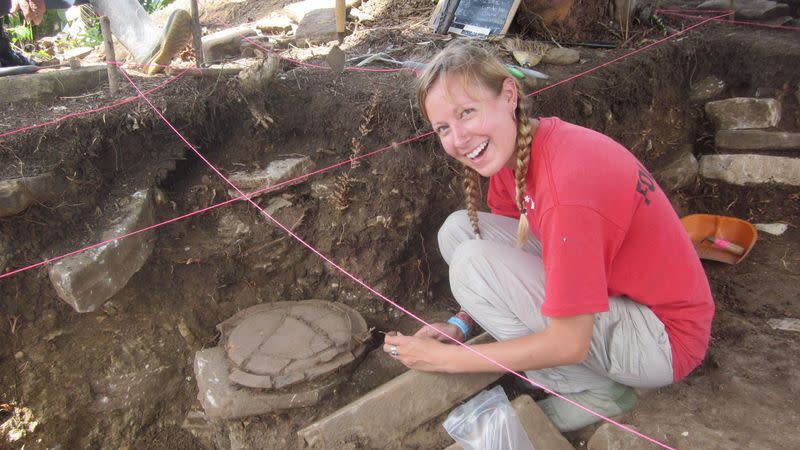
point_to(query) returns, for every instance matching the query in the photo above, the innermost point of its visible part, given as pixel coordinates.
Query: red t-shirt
(607, 229)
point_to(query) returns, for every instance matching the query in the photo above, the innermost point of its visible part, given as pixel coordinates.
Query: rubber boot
(612, 401)
(149, 44)
(132, 26)
(177, 33)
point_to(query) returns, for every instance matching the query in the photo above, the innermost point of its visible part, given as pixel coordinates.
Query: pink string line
(369, 288)
(678, 13)
(615, 60)
(95, 110)
(223, 203)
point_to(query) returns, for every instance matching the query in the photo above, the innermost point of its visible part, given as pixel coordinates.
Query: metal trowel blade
(335, 59)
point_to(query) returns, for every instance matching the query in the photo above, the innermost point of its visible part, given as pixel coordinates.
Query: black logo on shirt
(645, 184)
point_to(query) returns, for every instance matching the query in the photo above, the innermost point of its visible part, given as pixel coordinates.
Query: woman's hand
(430, 331)
(32, 10)
(418, 353)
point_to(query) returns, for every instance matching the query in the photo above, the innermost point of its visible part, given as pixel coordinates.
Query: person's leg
(503, 230)
(502, 288)
(630, 346)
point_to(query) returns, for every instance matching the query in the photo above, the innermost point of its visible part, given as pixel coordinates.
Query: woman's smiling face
(475, 125)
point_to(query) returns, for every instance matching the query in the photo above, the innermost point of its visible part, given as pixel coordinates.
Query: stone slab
(751, 169)
(757, 140)
(743, 113)
(276, 172)
(50, 85)
(541, 432)
(86, 280)
(396, 408)
(221, 399)
(612, 437)
(226, 43)
(17, 194)
(706, 89)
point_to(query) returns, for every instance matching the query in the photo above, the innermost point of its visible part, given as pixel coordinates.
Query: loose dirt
(377, 217)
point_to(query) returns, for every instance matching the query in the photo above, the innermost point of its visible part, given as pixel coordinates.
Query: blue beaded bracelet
(461, 325)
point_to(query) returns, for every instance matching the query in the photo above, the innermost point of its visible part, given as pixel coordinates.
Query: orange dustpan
(720, 238)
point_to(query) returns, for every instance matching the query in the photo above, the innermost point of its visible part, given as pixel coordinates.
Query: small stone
(17, 194)
(274, 23)
(775, 229)
(362, 16)
(561, 56)
(706, 89)
(19, 355)
(609, 437)
(680, 173)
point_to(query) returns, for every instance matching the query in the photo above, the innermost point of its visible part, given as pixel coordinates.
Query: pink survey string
(95, 110)
(217, 205)
(371, 289)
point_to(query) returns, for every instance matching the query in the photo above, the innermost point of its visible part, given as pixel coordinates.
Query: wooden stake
(111, 57)
(196, 33)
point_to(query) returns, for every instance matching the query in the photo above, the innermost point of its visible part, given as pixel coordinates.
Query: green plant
(19, 32)
(154, 5)
(92, 35)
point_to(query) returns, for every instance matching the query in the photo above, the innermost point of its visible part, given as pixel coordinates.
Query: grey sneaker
(177, 34)
(613, 401)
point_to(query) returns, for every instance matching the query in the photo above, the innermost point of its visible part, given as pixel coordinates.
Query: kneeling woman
(583, 272)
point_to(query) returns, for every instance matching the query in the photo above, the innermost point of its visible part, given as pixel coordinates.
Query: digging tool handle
(726, 245)
(111, 57)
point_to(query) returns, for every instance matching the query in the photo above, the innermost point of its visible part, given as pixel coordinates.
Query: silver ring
(393, 351)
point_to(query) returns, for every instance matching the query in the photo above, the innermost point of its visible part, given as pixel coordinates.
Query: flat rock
(276, 172)
(749, 9)
(226, 43)
(751, 169)
(756, 140)
(706, 89)
(612, 437)
(86, 280)
(17, 194)
(785, 324)
(680, 173)
(413, 398)
(52, 84)
(222, 399)
(317, 27)
(743, 113)
(274, 24)
(561, 56)
(775, 229)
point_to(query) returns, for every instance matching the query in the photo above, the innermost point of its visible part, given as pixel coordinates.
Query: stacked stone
(751, 148)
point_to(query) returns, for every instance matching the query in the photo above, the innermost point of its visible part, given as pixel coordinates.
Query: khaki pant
(502, 289)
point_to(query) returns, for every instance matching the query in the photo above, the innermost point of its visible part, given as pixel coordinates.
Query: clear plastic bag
(487, 422)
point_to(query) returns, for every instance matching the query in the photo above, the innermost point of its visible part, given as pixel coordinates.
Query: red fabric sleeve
(501, 196)
(578, 248)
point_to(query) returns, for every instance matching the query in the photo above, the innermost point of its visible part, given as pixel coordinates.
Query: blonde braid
(471, 191)
(524, 138)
